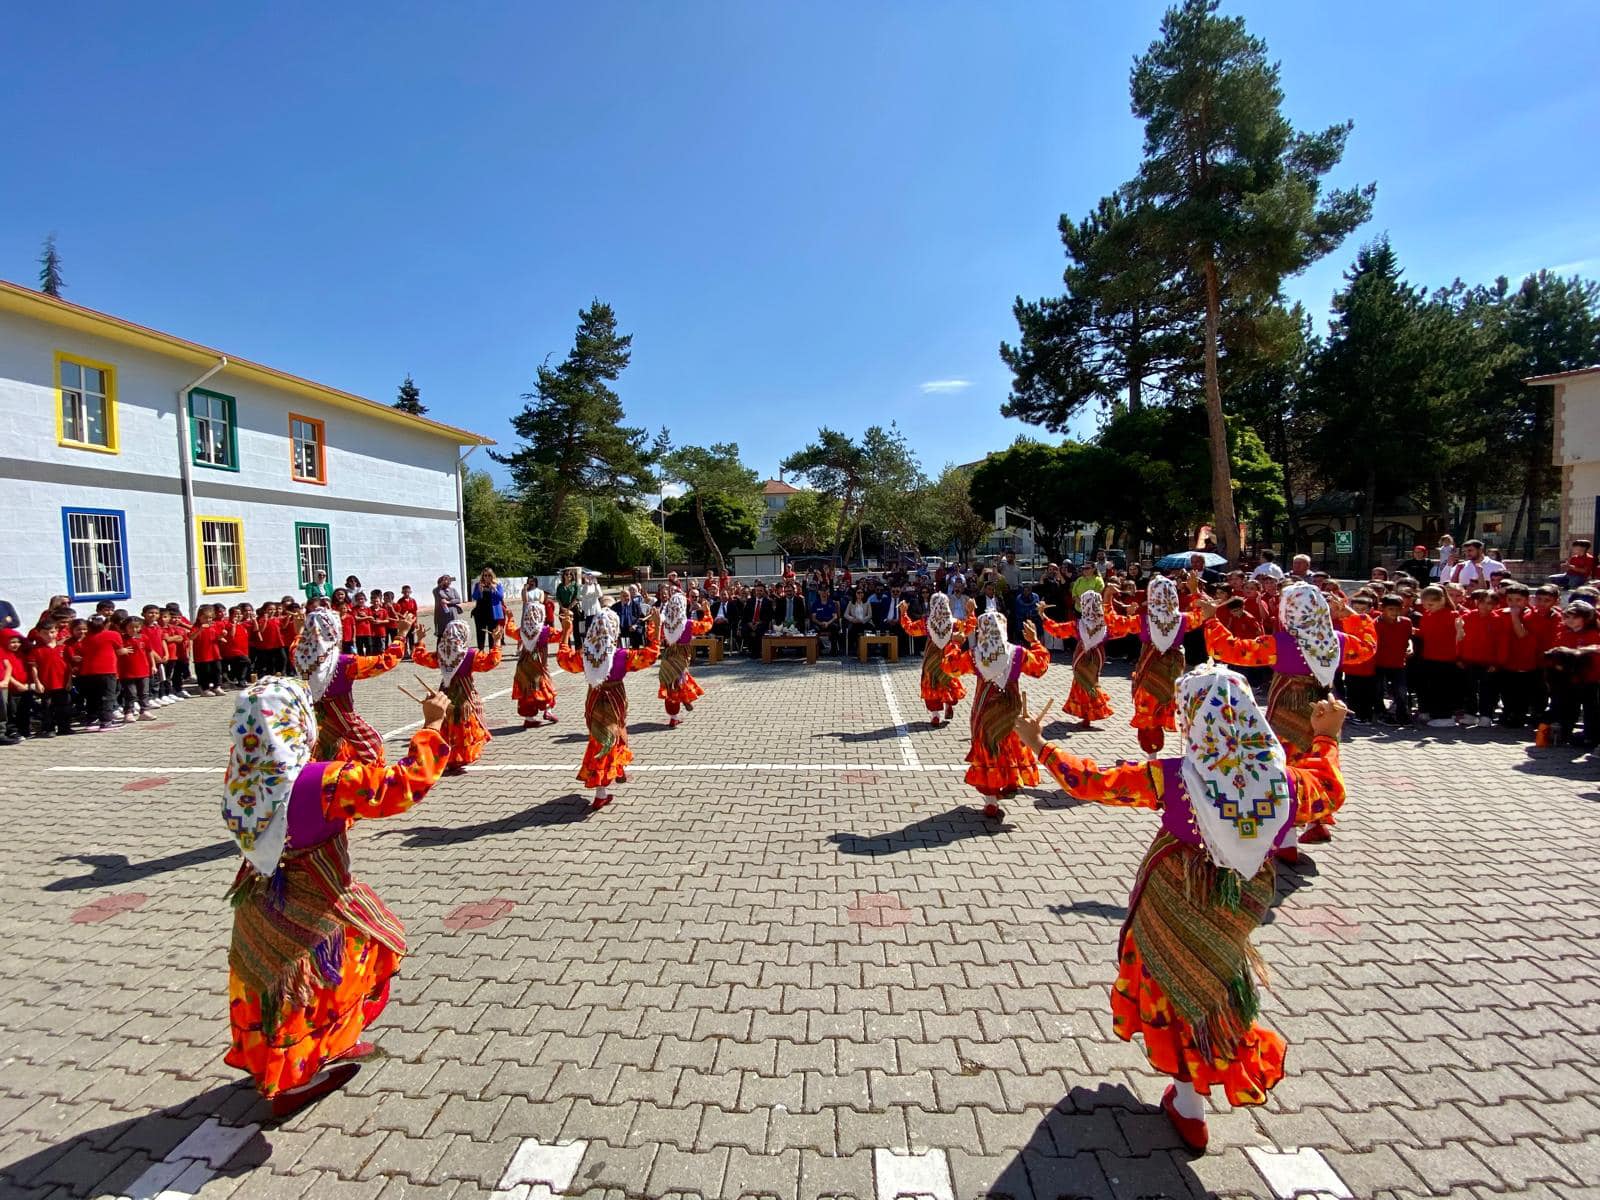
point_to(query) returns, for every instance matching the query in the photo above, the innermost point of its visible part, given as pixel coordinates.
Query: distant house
(775, 494)
(1576, 447)
(764, 560)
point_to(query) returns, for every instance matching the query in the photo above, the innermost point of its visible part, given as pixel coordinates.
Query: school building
(138, 466)
(1576, 446)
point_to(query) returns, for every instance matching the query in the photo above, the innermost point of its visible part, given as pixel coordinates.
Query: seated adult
(757, 619)
(789, 610)
(886, 614)
(825, 623)
(857, 620)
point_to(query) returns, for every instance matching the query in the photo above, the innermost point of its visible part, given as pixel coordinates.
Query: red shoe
(359, 1051)
(551, 717)
(1194, 1134)
(1316, 834)
(994, 811)
(1287, 854)
(622, 777)
(934, 720)
(599, 802)
(672, 722)
(286, 1104)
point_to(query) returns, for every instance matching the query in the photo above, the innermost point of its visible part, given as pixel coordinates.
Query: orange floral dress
(1155, 679)
(312, 954)
(531, 687)
(463, 725)
(605, 713)
(1236, 1052)
(998, 764)
(941, 677)
(1085, 700)
(674, 684)
(342, 733)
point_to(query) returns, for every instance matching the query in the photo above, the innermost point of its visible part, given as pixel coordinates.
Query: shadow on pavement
(942, 829)
(564, 810)
(1098, 1142)
(107, 1161)
(110, 870)
(887, 733)
(1090, 908)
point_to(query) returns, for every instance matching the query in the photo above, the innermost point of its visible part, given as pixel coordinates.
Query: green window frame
(213, 430)
(306, 547)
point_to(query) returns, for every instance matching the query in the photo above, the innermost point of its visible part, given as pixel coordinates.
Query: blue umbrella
(1173, 562)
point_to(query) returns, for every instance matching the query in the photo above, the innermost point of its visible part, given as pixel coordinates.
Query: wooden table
(890, 644)
(770, 643)
(711, 645)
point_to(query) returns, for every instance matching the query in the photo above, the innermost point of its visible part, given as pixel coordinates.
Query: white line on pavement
(394, 733)
(1297, 1172)
(912, 1176)
(633, 768)
(192, 1162)
(907, 750)
(540, 1171)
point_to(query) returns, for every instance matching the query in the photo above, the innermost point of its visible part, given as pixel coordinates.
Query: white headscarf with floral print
(992, 651)
(1303, 613)
(600, 647)
(674, 618)
(274, 730)
(316, 654)
(1234, 769)
(941, 624)
(532, 623)
(1091, 620)
(451, 652)
(1164, 613)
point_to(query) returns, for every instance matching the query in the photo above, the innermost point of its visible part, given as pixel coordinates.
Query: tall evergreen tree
(1234, 191)
(573, 442)
(876, 469)
(50, 281)
(708, 470)
(410, 398)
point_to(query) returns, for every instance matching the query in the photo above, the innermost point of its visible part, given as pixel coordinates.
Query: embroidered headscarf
(274, 730)
(674, 618)
(316, 654)
(533, 617)
(600, 647)
(1234, 769)
(941, 624)
(1303, 613)
(992, 651)
(452, 649)
(1164, 613)
(1091, 620)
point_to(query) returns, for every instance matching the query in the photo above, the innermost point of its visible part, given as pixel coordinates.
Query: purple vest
(340, 684)
(1291, 659)
(619, 664)
(1144, 631)
(308, 825)
(1177, 810)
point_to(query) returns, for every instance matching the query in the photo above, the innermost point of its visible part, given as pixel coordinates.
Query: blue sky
(805, 214)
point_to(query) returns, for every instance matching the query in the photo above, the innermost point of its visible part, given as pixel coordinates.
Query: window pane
(94, 380)
(71, 416)
(95, 417)
(71, 375)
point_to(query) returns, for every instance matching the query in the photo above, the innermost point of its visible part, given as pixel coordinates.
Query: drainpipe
(461, 517)
(186, 474)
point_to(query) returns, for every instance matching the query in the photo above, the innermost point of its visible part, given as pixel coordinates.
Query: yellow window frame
(200, 553)
(77, 360)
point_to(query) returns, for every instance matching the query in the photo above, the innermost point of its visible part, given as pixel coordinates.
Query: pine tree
(410, 398)
(50, 281)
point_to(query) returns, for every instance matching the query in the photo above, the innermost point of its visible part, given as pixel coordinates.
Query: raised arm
(423, 657)
(1060, 629)
(1035, 656)
(356, 790)
(1120, 624)
(1359, 639)
(569, 658)
(1239, 652)
(1130, 785)
(367, 666)
(486, 660)
(914, 626)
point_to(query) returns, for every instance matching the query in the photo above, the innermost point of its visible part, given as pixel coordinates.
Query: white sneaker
(1442, 723)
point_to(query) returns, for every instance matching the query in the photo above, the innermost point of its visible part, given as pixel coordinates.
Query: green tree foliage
(574, 445)
(808, 523)
(733, 522)
(1232, 191)
(622, 536)
(50, 281)
(410, 398)
(714, 471)
(871, 476)
(1125, 324)
(943, 516)
(493, 527)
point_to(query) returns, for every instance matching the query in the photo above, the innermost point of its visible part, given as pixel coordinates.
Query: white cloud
(673, 490)
(940, 387)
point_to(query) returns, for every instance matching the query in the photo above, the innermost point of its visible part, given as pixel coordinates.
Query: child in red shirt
(16, 691)
(362, 614)
(1393, 629)
(1575, 675)
(207, 639)
(347, 625)
(1360, 679)
(1438, 632)
(1520, 657)
(1579, 566)
(1481, 652)
(176, 628)
(134, 659)
(97, 674)
(47, 667)
(270, 658)
(407, 604)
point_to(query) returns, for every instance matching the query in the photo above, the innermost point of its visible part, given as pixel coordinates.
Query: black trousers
(1438, 687)
(1482, 689)
(1361, 693)
(100, 698)
(1392, 687)
(1568, 700)
(1518, 692)
(208, 674)
(485, 630)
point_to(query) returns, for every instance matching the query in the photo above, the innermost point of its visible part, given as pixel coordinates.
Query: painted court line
(190, 1164)
(1297, 1172)
(540, 1170)
(907, 750)
(633, 768)
(912, 1176)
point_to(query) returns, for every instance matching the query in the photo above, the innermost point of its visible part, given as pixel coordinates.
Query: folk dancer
(999, 765)
(1086, 700)
(458, 662)
(1186, 978)
(1155, 675)
(942, 689)
(604, 664)
(674, 683)
(313, 950)
(331, 675)
(531, 687)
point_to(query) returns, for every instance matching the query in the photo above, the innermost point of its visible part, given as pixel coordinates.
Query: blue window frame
(96, 544)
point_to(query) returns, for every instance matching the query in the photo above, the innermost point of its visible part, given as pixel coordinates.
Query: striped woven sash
(606, 714)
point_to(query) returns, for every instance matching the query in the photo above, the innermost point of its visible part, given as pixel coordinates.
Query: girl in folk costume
(999, 765)
(1186, 976)
(331, 676)
(675, 685)
(605, 664)
(313, 950)
(458, 662)
(1085, 700)
(1304, 655)
(1155, 676)
(531, 688)
(941, 657)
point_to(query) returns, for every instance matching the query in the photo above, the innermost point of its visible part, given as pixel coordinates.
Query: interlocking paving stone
(679, 984)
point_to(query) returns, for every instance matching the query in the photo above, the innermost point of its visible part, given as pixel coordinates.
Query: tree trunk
(1225, 522)
(705, 532)
(1135, 361)
(1369, 517)
(1516, 525)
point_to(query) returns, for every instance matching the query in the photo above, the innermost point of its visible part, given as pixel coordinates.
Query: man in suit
(790, 608)
(757, 618)
(725, 614)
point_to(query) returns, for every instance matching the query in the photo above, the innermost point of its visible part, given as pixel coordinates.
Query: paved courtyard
(792, 961)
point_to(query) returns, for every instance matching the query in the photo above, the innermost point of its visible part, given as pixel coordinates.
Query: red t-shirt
(286, 631)
(156, 639)
(1583, 637)
(177, 638)
(347, 625)
(1581, 564)
(19, 669)
(51, 664)
(1438, 632)
(98, 653)
(363, 622)
(238, 639)
(1546, 625)
(1480, 645)
(268, 635)
(136, 663)
(1393, 637)
(1518, 653)
(406, 604)
(208, 643)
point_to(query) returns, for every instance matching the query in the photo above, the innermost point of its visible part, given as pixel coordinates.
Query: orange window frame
(321, 477)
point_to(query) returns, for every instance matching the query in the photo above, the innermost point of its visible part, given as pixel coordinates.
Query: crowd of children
(72, 674)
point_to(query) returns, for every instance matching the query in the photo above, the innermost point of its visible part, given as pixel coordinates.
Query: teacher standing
(488, 608)
(446, 604)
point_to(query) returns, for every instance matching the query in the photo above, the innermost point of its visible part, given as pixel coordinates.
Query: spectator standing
(488, 608)
(1419, 566)
(446, 603)
(319, 588)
